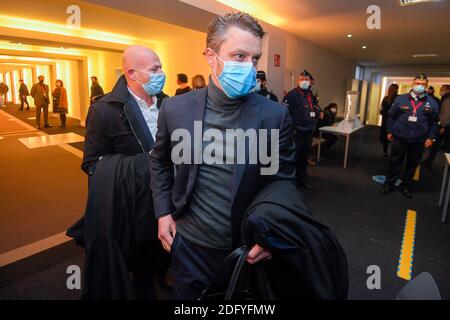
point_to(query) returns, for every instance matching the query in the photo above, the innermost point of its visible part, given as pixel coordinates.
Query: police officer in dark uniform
(305, 113)
(261, 88)
(412, 126)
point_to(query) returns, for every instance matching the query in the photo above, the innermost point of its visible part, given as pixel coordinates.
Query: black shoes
(48, 125)
(406, 192)
(386, 189)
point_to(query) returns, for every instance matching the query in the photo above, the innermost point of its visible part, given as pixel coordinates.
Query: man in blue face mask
(121, 128)
(200, 209)
(305, 112)
(412, 127)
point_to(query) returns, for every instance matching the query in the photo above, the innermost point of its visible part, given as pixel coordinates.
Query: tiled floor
(51, 140)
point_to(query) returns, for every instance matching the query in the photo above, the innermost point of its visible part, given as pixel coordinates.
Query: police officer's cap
(306, 73)
(261, 75)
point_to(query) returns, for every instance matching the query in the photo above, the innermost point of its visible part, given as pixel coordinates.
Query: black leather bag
(232, 281)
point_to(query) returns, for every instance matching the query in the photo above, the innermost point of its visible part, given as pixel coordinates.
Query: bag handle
(239, 253)
(236, 272)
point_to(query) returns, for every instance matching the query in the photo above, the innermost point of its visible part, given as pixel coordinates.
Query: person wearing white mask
(412, 126)
(305, 112)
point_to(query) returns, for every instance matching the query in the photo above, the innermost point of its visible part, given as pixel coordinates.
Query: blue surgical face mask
(237, 79)
(305, 85)
(419, 89)
(155, 84)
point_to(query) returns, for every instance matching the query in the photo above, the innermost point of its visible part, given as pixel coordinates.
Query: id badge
(412, 119)
(312, 114)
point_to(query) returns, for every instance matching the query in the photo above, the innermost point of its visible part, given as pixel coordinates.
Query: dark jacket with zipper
(115, 125)
(427, 118)
(300, 109)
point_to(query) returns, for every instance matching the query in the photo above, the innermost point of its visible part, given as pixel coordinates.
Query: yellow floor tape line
(404, 270)
(417, 174)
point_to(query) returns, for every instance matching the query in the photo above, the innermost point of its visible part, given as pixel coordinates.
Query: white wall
(330, 70)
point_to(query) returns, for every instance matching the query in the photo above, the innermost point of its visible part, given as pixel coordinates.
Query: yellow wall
(182, 56)
(180, 49)
(99, 63)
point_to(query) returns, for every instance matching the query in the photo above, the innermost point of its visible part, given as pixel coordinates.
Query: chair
(422, 287)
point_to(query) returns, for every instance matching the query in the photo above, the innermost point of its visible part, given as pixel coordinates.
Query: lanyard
(415, 107)
(309, 99)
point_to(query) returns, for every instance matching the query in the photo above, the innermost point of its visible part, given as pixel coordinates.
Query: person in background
(431, 92)
(160, 97)
(198, 82)
(385, 107)
(261, 82)
(182, 81)
(305, 112)
(60, 104)
(441, 136)
(23, 94)
(444, 130)
(329, 117)
(96, 90)
(40, 94)
(412, 126)
(3, 91)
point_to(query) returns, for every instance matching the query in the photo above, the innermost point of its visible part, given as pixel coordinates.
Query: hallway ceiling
(405, 30)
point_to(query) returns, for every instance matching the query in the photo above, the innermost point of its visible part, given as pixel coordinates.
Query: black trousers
(63, 118)
(193, 267)
(23, 101)
(303, 142)
(151, 261)
(38, 114)
(401, 149)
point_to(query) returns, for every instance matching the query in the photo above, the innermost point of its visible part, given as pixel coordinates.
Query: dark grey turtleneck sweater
(207, 223)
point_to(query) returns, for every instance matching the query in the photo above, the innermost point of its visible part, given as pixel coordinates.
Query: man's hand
(428, 143)
(166, 231)
(441, 131)
(257, 254)
(390, 137)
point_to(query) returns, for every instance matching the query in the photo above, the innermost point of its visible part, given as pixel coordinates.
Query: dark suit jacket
(172, 194)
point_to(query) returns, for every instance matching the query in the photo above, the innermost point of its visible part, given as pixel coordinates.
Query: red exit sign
(277, 60)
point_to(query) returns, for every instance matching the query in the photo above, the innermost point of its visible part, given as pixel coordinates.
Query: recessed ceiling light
(349, 35)
(411, 2)
(364, 47)
(425, 55)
